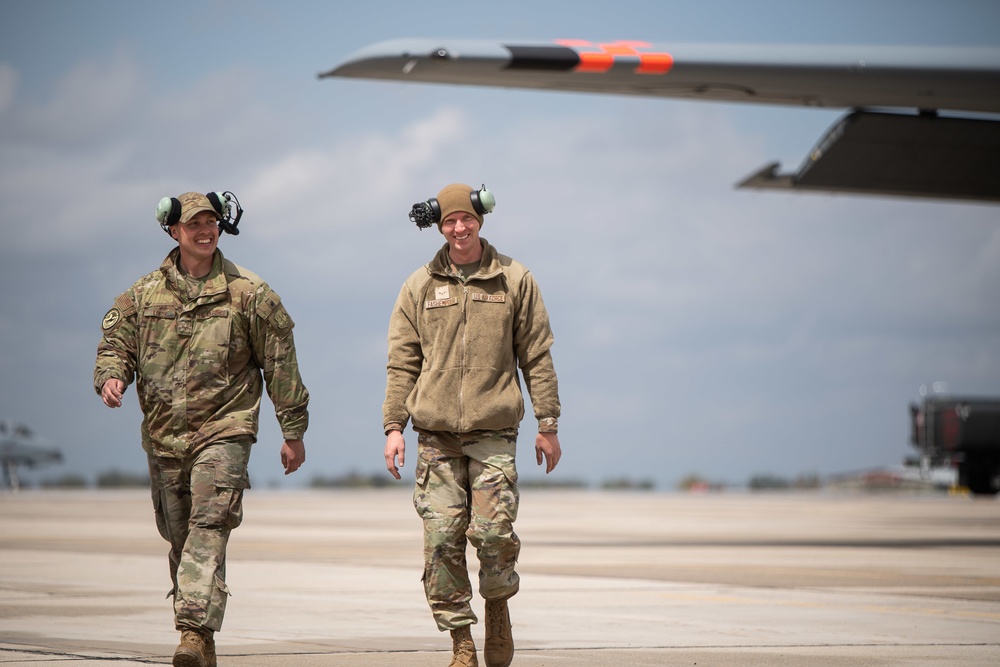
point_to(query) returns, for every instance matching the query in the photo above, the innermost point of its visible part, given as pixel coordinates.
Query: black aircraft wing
(923, 122)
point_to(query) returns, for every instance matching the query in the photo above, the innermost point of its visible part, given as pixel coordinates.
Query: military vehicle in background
(961, 432)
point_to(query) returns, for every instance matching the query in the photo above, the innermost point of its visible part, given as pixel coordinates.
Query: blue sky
(699, 329)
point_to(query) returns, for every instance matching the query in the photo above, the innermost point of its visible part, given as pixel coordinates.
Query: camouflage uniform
(466, 487)
(455, 347)
(197, 350)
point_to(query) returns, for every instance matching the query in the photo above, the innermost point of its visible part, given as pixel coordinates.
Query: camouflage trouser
(197, 502)
(466, 488)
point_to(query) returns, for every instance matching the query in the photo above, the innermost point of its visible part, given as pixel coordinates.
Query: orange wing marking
(603, 59)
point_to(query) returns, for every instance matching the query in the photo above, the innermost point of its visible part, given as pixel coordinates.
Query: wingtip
(766, 177)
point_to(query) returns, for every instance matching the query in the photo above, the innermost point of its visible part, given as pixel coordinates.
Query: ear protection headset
(168, 212)
(427, 213)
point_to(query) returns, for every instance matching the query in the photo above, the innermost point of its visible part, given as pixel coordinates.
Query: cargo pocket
(171, 502)
(216, 610)
(161, 520)
(230, 481)
(420, 488)
(225, 508)
(509, 470)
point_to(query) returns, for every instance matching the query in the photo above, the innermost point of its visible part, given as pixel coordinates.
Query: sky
(700, 329)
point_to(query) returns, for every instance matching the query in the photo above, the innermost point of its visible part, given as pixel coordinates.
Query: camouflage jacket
(197, 356)
(455, 349)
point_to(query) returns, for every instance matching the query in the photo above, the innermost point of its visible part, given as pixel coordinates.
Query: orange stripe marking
(603, 59)
(595, 62)
(654, 63)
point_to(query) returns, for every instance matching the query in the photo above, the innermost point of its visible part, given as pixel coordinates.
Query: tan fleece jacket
(455, 349)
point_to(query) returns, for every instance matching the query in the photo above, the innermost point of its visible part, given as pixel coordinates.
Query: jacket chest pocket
(440, 321)
(157, 336)
(490, 311)
(211, 329)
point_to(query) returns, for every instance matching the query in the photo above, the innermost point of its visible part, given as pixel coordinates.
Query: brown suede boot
(463, 648)
(197, 649)
(499, 648)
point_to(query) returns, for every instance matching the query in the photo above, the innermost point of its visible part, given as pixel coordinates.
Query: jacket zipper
(461, 385)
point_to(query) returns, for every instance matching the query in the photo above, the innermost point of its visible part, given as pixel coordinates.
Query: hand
(395, 446)
(547, 446)
(112, 391)
(293, 455)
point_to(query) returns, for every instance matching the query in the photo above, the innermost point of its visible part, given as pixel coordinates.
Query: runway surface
(608, 578)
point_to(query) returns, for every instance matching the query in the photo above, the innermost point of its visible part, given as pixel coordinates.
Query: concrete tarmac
(607, 578)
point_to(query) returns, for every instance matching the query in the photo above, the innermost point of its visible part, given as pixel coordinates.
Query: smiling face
(197, 238)
(462, 231)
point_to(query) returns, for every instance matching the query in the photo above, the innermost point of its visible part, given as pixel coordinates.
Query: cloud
(86, 106)
(359, 179)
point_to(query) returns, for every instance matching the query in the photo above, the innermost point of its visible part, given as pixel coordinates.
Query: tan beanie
(457, 197)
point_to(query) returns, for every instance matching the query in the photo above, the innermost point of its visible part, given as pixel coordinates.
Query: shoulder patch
(267, 302)
(280, 321)
(271, 310)
(111, 319)
(124, 303)
(124, 307)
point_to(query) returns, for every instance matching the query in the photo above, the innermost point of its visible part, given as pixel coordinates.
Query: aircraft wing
(27, 455)
(920, 151)
(19, 446)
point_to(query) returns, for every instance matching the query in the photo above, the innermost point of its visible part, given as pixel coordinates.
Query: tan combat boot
(499, 649)
(197, 649)
(463, 648)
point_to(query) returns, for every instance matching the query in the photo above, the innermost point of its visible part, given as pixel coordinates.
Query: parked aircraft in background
(20, 447)
(923, 122)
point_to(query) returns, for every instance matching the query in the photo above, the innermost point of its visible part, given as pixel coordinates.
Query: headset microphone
(230, 219)
(425, 213)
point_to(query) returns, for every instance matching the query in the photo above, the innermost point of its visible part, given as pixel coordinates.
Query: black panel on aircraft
(895, 154)
(549, 58)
